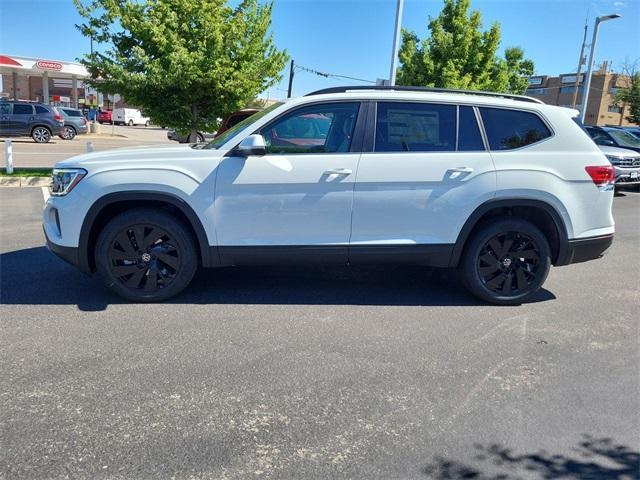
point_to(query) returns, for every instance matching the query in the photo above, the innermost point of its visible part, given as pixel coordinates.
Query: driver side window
(324, 128)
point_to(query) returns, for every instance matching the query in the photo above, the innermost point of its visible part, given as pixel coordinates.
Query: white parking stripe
(45, 193)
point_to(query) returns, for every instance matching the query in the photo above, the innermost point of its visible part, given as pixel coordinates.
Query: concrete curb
(20, 182)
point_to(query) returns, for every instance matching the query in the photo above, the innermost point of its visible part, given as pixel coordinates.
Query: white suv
(500, 187)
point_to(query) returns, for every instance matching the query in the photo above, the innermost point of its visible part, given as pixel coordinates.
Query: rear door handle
(338, 171)
(461, 169)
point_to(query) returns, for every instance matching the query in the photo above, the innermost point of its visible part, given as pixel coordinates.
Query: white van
(129, 116)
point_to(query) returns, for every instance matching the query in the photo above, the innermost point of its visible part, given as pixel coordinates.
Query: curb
(21, 182)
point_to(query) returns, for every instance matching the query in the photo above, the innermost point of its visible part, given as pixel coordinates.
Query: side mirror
(252, 145)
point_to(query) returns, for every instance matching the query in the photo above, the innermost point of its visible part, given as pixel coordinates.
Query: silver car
(74, 123)
(626, 163)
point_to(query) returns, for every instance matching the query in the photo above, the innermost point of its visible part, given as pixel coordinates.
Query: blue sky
(353, 37)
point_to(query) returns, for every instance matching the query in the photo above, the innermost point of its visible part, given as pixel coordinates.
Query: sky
(354, 37)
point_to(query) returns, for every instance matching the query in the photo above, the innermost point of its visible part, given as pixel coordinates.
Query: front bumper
(68, 254)
(627, 175)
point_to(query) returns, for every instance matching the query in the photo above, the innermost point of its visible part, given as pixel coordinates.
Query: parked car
(499, 186)
(228, 122)
(74, 123)
(613, 137)
(129, 116)
(635, 131)
(104, 116)
(30, 119)
(626, 163)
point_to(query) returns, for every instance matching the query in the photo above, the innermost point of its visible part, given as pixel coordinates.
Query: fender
(564, 253)
(207, 253)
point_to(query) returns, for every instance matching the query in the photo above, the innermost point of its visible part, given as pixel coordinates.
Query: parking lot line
(45, 193)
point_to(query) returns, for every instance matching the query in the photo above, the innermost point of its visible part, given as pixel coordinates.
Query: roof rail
(402, 88)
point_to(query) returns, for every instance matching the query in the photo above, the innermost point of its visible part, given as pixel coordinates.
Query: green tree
(186, 63)
(458, 54)
(629, 95)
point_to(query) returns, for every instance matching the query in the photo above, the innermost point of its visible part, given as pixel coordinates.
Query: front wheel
(146, 255)
(146, 124)
(506, 261)
(69, 133)
(130, 123)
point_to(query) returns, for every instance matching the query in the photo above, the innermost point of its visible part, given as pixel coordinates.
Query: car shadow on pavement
(35, 276)
(594, 458)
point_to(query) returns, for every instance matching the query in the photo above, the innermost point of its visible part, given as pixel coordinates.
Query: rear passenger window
(41, 109)
(21, 109)
(415, 127)
(469, 137)
(509, 129)
(72, 113)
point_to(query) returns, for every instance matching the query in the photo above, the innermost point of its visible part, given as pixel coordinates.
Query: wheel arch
(106, 207)
(538, 212)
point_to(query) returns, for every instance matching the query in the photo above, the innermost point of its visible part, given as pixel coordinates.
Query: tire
(130, 123)
(69, 133)
(149, 270)
(146, 124)
(493, 267)
(200, 138)
(41, 134)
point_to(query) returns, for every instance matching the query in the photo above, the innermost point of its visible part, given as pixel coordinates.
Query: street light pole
(587, 86)
(396, 41)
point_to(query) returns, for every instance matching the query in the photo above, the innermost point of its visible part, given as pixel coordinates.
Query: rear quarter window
(509, 129)
(41, 109)
(72, 113)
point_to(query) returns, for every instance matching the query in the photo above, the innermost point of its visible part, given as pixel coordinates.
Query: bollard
(8, 153)
(89, 147)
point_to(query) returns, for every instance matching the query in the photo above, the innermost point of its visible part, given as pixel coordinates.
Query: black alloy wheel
(506, 261)
(146, 255)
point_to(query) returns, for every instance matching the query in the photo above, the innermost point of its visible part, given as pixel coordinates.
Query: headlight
(63, 180)
(613, 160)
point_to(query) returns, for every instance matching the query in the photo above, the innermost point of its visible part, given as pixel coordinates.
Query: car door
(426, 170)
(296, 200)
(5, 118)
(22, 118)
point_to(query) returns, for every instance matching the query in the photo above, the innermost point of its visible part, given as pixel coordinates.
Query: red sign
(48, 65)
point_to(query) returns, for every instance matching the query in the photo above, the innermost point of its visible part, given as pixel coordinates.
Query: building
(47, 81)
(600, 109)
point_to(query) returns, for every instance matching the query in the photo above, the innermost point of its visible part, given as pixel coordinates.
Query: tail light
(602, 174)
(58, 118)
(84, 121)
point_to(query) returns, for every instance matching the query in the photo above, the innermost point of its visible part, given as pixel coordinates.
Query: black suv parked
(35, 120)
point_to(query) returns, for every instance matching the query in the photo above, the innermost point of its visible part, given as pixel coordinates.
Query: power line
(332, 75)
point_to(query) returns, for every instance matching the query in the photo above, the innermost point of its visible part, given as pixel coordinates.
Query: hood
(618, 152)
(139, 155)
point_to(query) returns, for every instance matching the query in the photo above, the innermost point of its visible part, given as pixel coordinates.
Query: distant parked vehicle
(626, 163)
(104, 116)
(613, 137)
(129, 116)
(230, 120)
(74, 123)
(635, 131)
(30, 119)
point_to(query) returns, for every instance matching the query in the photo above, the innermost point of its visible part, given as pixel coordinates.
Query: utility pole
(580, 63)
(290, 79)
(396, 41)
(594, 41)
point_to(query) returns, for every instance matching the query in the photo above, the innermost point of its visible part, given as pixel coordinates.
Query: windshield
(624, 139)
(239, 127)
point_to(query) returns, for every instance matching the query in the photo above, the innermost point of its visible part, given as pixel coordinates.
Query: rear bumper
(584, 249)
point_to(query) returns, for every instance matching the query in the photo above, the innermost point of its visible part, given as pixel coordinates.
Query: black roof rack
(402, 88)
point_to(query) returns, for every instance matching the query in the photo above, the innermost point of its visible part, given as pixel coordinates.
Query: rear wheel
(146, 255)
(130, 123)
(41, 134)
(69, 133)
(146, 124)
(506, 261)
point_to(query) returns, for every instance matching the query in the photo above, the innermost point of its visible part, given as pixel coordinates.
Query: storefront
(49, 81)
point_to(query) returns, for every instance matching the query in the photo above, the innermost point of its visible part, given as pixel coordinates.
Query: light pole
(587, 86)
(396, 41)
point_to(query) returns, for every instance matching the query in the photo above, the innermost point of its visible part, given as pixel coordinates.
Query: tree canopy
(458, 54)
(629, 94)
(184, 62)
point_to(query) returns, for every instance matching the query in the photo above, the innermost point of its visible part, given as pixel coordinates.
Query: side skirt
(434, 255)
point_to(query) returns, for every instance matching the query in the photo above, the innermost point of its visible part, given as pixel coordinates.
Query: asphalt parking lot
(28, 154)
(316, 373)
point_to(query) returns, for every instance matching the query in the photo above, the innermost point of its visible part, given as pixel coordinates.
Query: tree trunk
(623, 108)
(193, 136)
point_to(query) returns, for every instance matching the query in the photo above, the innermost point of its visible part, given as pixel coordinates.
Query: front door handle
(338, 171)
(461, 169)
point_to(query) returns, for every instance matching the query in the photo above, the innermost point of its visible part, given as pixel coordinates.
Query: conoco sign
(48, 65)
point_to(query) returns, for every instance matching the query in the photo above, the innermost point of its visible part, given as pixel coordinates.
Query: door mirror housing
(252, 145)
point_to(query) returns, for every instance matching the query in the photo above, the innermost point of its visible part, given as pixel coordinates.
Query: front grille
(628, 162)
